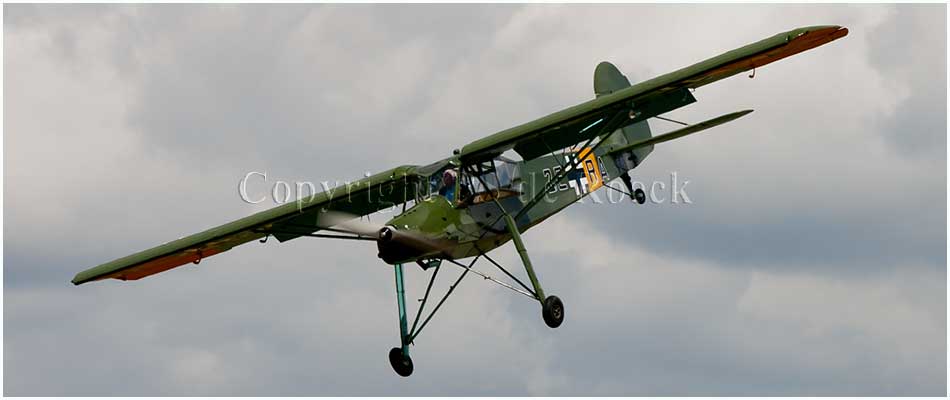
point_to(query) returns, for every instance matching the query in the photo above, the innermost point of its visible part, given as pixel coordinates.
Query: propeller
(348, 223)
(394, 245)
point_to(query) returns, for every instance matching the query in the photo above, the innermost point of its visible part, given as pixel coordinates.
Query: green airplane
(478, 199)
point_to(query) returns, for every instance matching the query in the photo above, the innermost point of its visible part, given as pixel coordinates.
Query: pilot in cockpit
(448, 186)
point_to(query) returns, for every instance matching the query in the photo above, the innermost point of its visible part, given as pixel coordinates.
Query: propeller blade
(349, 223)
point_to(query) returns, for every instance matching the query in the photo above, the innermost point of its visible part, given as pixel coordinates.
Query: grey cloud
(909, 49)
(812, 261)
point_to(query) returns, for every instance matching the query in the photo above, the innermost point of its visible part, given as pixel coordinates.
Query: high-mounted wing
(645, 99)
(284, 222)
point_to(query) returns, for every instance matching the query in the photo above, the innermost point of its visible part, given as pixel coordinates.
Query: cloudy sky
(811, 262)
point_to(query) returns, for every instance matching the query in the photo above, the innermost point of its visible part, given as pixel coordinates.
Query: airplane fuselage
(475, 224)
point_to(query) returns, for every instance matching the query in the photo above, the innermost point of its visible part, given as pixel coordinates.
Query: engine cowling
(395, 246)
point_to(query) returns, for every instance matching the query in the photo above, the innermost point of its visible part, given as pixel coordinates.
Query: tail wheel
(639, 196)
(401, 363)
(552, 310)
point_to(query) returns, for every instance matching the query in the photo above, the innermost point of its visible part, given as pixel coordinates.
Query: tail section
(608, 79)
(625, 151)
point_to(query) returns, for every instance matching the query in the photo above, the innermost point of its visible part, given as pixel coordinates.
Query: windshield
(500, 173)
(441, 182)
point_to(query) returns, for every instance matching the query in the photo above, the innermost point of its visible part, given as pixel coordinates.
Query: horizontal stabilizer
(681, 132)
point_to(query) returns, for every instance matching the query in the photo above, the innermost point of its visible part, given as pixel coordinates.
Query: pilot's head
(448, 177)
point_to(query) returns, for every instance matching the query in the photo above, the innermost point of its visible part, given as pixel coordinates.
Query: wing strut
(671, 120)
(609, 128)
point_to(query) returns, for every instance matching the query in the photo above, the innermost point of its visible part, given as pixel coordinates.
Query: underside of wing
(645, 99)
(285, 222)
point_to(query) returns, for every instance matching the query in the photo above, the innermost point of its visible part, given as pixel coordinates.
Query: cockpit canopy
(500, 173)
(471, 185)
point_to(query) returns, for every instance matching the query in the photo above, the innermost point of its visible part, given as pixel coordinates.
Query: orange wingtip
(805, 39)
(162, 264)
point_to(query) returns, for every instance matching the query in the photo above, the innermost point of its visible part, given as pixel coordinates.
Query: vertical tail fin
(608, 79)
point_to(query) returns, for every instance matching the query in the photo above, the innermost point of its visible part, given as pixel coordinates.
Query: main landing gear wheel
(639, 196)
(402, 364)
(552, 310)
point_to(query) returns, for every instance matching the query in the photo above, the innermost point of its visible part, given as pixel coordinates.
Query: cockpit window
(499, 177)
(442, 182)
(497, 174)
(432, 175)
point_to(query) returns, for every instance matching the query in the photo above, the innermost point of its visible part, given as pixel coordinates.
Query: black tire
(401, 364)
(552, 311)
(639, 196)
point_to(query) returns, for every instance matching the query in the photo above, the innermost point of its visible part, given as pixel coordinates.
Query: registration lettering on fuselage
(588, 177)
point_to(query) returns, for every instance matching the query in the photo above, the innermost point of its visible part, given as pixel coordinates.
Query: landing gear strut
(399, 356)
(552, 309)
(637, 194)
